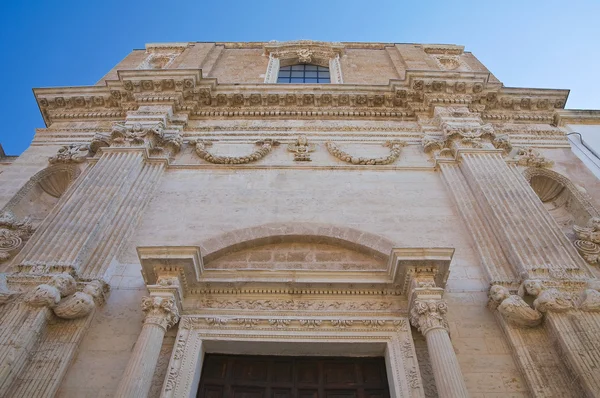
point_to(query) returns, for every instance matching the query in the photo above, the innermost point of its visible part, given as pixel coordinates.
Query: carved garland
(394, 146)
(266, 146)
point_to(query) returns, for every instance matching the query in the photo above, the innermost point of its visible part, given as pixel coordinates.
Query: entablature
(189, 93)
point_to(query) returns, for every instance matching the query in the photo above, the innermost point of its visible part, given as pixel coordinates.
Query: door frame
(388, 337)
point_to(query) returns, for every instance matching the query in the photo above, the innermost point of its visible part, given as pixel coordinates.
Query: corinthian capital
(428, 315)
(161, 311)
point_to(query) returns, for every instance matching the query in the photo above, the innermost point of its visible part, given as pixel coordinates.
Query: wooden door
(240, 376)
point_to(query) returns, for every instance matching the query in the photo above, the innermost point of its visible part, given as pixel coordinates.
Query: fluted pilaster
(161, 314)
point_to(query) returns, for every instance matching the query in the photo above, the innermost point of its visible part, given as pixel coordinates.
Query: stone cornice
(576, 116)
(189, 93)
(186, 264)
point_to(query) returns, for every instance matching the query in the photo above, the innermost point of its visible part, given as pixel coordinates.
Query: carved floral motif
(395, 147)
(265, 148)
(427, 315)
(73, 153)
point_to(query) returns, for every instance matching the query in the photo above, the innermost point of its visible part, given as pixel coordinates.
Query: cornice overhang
(185, 262)
(191, 94)
(576, 116)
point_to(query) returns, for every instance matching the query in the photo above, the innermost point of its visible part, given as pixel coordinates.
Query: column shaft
(137, 378)
(446, 370)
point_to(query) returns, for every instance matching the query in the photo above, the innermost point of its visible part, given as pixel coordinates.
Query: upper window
(303, 73)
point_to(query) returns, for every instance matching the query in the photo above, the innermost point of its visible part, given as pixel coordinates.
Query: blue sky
(526, 43)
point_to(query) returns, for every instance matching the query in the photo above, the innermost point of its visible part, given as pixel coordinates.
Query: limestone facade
(414, 209)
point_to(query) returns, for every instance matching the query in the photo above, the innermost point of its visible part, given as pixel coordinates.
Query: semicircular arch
(364, 242)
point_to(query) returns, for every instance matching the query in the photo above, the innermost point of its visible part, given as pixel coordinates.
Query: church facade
(300, 219)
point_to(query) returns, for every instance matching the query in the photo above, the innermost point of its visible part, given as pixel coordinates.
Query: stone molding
(197, 334)
(188, 92)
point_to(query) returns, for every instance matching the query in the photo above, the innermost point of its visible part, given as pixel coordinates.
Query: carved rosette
(266, 146)
(161, 311)
(13, 234)
(154, 137)
(427, 315)
(395, 148)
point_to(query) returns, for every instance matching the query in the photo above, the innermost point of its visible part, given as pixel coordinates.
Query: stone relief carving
(13, 234)
(266, 146)
(292, 305)
(61, 296)
(588, 242)
(530, 157)
(548, 299)
(395, 148)
(154, 137)
(73, 153)
(427, 315)
(301, 149)
(513, 308)
(161, 311)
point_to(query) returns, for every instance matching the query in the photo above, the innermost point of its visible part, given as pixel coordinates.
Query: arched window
(303, 73)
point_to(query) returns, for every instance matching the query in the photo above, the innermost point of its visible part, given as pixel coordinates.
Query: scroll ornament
(161, 311)
(588, 244)
(395, 147)
(513, 308)
(427, 315)
(266, 146)
(12, 234)
(73, 153)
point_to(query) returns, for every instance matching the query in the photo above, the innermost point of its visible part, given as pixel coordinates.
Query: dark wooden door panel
(231, 376)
